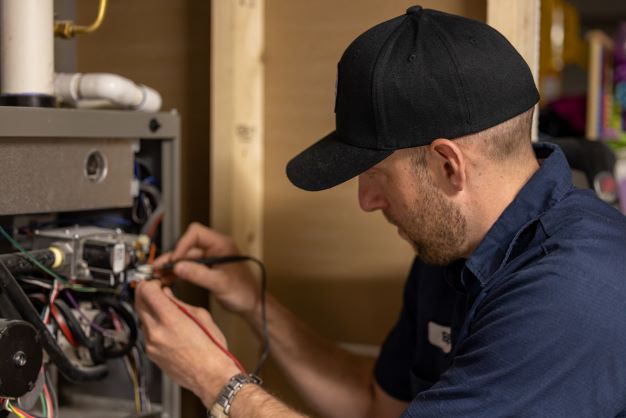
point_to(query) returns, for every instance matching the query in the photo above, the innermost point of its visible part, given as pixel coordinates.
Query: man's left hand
(179, 346)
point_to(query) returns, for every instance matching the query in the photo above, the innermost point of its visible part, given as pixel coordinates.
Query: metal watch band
(222, 405)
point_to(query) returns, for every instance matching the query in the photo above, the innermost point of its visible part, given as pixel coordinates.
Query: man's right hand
(232, 284)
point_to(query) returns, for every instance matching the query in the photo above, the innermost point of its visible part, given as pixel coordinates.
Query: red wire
(63, 325)
(208, 334)
(53, 296)
(152, 253)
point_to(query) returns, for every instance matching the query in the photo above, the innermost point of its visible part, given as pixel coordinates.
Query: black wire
(16, 297)
(127, 317)
(213, 261)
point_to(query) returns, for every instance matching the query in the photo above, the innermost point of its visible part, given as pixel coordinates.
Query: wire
(63, 326)
(141, 378)
(30, 257)
(53, 407)
(211, 337)
(76, 306)
(35, 282)
(17, 411)
(47, 406)
(53, 295)
(152, 253)
(44, 407)
(88, 289)
(135, 383)
(140, 359)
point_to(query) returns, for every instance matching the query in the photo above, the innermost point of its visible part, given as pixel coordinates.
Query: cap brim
(330, 162)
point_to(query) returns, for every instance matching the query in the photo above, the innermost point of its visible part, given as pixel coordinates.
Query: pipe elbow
(119, 91)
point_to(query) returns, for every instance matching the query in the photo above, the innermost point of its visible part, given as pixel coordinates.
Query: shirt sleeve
(537, 346)
(393, 366)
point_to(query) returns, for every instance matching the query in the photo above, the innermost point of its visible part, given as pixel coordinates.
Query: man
(516, 305)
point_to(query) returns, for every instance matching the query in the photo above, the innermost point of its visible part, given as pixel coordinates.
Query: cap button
(413, 10)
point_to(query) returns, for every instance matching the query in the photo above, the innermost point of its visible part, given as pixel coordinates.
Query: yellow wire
(133, 379)
(15, 411)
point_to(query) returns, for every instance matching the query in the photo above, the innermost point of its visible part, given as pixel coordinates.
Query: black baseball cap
(408, 81)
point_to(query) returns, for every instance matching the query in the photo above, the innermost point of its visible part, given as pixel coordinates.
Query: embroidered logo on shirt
(440, 336)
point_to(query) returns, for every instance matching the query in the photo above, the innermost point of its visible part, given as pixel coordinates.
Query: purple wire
(75, 305)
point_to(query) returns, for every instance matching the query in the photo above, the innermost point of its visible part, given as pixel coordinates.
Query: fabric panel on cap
(422, 97)
(496, 81)
(355, 118)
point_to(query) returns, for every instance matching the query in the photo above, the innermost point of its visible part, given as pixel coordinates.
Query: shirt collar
(546, 186)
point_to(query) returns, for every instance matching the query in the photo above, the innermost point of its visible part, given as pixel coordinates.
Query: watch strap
(223, 403)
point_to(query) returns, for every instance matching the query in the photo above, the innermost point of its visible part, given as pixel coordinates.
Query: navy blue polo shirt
(533, 324)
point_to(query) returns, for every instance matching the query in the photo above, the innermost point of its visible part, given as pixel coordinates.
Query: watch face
(605, 186)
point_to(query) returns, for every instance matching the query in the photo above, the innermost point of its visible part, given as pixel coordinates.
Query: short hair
(507, 140)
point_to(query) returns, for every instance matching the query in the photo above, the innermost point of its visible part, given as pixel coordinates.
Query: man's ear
(448, 165)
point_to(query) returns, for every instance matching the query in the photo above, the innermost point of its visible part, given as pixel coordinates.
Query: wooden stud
(237, 141)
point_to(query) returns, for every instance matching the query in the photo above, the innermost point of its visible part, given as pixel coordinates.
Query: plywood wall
(320, 247)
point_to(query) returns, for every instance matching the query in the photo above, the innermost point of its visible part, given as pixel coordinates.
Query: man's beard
(435, 228)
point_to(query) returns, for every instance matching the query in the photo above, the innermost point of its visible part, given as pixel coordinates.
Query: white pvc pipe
(27, 46)
(119, 91)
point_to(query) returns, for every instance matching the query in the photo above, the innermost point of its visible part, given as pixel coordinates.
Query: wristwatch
(221, 407)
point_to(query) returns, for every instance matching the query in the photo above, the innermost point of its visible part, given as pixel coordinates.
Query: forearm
(254, 402)
(333, 381)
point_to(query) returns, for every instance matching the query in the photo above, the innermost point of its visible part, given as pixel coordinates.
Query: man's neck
(498, 188)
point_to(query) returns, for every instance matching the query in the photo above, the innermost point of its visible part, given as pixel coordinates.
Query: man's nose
(371, 195)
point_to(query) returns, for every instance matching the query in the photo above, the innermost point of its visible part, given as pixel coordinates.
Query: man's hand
(179, 346)
(233, 284)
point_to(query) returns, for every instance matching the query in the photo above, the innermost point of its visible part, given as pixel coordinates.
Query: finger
(163, 259)
(200, 236)
(169, 293)
(141, 304)
(146, 321)
(197, 312)
(194, 253)
(166, 276)
(150, 298)
(200, 275)
(168, 256)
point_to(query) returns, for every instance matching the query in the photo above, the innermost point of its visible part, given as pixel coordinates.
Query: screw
(19, 359)
(154, 125)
